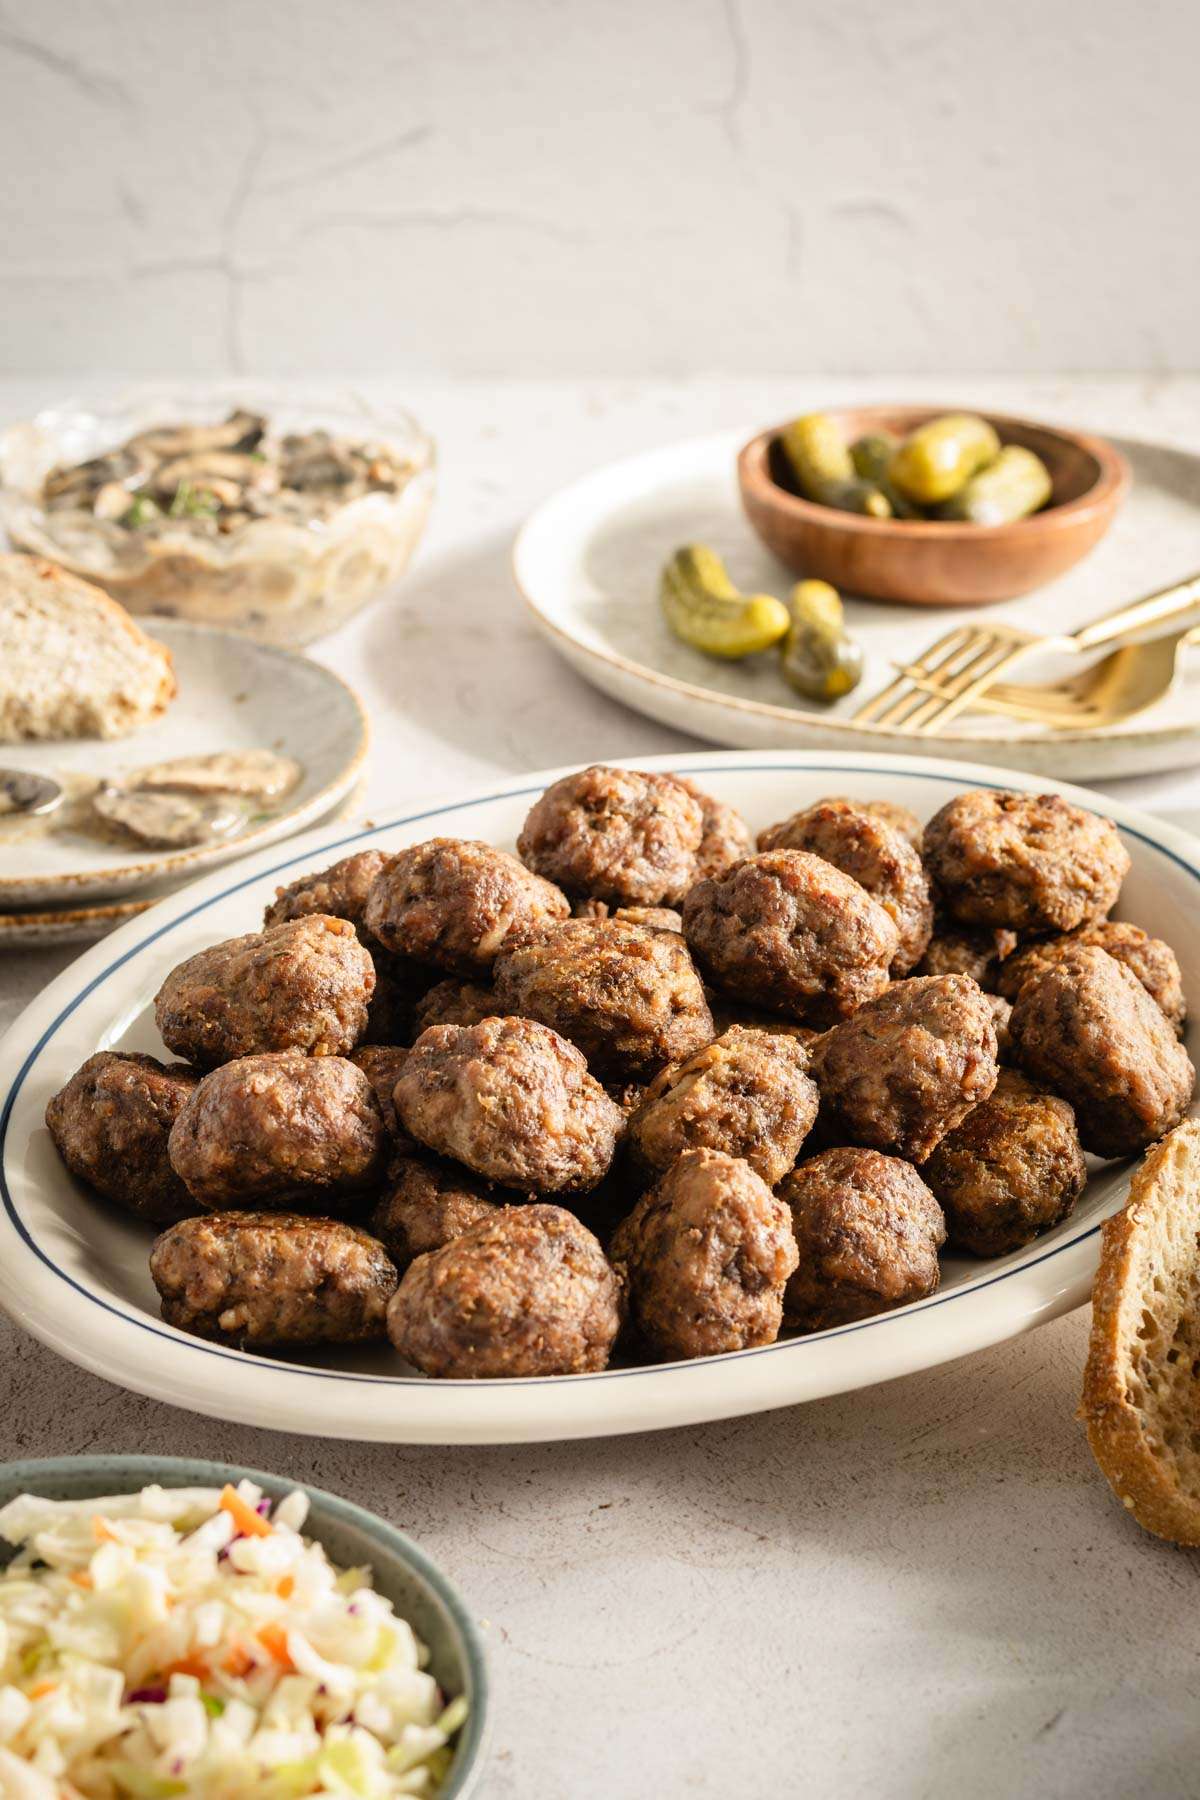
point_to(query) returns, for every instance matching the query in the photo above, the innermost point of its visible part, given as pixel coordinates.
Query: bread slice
(72, 662)
(1141, 1388)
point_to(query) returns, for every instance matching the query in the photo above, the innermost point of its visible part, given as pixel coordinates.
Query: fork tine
(950, 705)
(950, 641)
(938, 694)
(945, 677)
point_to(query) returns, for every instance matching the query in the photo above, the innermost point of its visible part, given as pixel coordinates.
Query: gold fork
(1122, 684)
(954, 674)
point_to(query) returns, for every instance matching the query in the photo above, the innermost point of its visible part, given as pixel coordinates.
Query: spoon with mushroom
(31, 795)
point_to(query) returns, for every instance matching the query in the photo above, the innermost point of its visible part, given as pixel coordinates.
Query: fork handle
(1180, 597)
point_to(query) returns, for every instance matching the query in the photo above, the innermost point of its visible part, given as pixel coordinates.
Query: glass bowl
(279, 580)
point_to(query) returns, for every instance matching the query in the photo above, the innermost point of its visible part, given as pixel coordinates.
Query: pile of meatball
(643, 1089)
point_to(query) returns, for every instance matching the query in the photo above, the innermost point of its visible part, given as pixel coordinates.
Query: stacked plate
(64, 887)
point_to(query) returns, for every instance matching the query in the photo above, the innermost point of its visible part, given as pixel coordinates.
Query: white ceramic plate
(587, 563)
(233, 694)
(74, 1272)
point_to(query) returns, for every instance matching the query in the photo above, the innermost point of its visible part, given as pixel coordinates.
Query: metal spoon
(32, 795)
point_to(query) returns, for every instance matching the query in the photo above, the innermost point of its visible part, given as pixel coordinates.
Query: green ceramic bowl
(414, 1585)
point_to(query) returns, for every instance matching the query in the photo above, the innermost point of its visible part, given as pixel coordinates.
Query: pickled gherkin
(1016, 484)
(821, 466)
(871, 455)
(704, 608)
(818, 657)
(937, 459)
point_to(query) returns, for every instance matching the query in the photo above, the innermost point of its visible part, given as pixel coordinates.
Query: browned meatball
(512, 1100)
(789, 932)
(455, 902)
(261, 1280)
(908, 1066)
(381, 1064)
(455, 1003)
(528, 1291)
(1153, 962)
(1011, 1170)
(898, 817)
(874, 854)
(867, 1230)
(727, 1011)
(1086, 1028)
(400, 986)
(339, 892)
(616, 834)
(1031, 862)
(630, 998)
(706, 1253)
(724, 836)
(427, 1203)
(303, 985)
(110, 1125)
(298, 1130)
(960, 950)
(1001, 1020)
(746, 1093)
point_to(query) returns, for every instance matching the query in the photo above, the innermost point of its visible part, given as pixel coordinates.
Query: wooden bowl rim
(1109, 488)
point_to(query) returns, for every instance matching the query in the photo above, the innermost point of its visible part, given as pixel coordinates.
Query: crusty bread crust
(72, 661)
(1141, 1387)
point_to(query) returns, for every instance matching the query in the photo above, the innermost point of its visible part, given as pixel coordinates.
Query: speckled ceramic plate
(233, 695)
(587, 563)
(74, 1272)
(351, 1536)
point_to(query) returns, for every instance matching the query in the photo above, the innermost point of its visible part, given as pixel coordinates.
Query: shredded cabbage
(192, 1642)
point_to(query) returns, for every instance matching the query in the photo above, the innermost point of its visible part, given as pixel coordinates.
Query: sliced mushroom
(241, 431)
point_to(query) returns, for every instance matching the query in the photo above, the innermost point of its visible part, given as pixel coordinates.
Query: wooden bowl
(933, 562)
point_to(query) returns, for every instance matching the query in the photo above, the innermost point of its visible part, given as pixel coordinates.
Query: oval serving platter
(74, 1272)
(587, 564)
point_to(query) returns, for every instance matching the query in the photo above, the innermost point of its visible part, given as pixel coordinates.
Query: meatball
(381, 1064)
(339, 892)
(1001, 1021)
(455, 903)
(110, 1125)
(1153, 962)
(262, 1280)
(898, 817)
(907, 1067)
(455, 1003)
(616, 834)
(868, 1232)
(724, 834)
(427, 1203)
(303, 985)
(512, 1100)
(706, 1253)
(727, 1011)
(1086, 1028)
(400, 986)
(1011, 1170)
(877, 856)
(1031, 862)
(787, 931)
(527, 1291)
(746, 1093)
(298, 1130)
(960, 950)
(654, 918)
(630, 998)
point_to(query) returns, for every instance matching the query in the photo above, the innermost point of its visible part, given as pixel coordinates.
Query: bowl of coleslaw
(174, 1628)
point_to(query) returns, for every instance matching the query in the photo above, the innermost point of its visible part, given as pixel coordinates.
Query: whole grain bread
(1141, 1388)
(72, 662)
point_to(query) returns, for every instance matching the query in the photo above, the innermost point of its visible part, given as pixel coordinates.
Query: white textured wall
(625, 186)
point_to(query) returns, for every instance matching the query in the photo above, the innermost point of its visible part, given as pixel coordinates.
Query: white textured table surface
(922, 1590)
